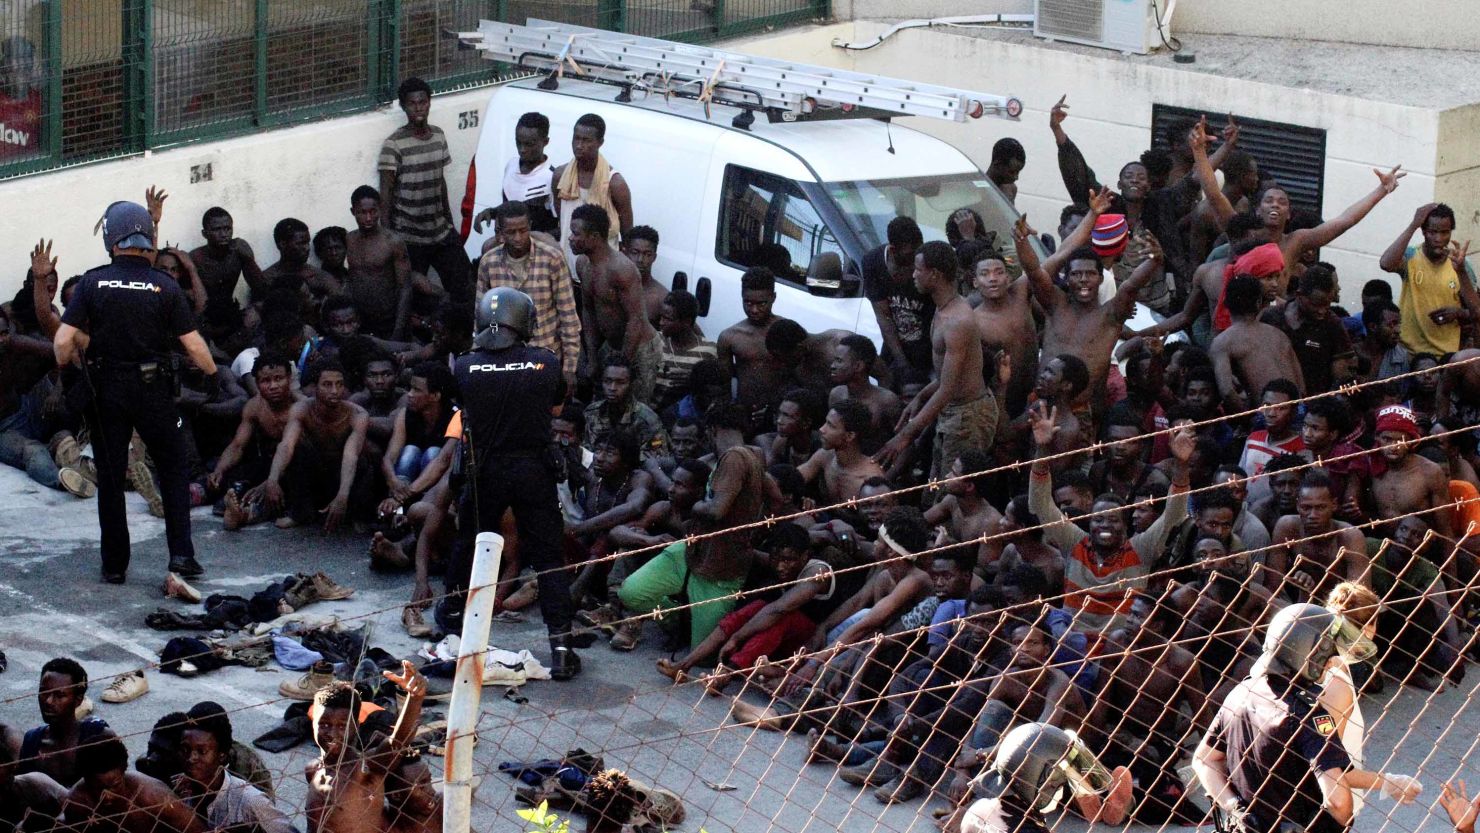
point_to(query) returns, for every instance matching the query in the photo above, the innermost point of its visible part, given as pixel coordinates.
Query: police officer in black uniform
(509, 391)
(1272, 761)
(122, 324)
(1036, 769)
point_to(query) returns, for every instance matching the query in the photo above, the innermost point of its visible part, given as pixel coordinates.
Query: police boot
(186, 566)
(564, 664)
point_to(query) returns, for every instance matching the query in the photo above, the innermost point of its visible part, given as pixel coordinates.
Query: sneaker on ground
(142, 481)
(126, 688)
(329, 590)
(87, 468)
(416, 624)
(75, 483)
(65, 451)
(305, 687)
(176, 588)
(604, 617)
(627, 636)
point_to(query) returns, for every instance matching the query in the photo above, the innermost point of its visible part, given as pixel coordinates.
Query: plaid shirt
(547, 282)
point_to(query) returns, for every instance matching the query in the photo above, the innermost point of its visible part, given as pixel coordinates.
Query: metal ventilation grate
(1293, 155)
(1078, 19)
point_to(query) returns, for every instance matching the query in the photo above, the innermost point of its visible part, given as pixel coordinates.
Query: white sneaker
(126, 688)
(76, 483)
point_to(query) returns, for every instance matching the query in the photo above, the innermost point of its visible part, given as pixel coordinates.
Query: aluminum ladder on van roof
(783, 90)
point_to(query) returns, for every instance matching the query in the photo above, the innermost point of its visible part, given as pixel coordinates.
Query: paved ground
(670, 737)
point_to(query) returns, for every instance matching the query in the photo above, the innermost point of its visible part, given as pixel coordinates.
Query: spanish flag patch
(1325, 724)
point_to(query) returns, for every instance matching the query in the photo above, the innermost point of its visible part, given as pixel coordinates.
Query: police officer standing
(1272, 760)
(122, 325)
(509, 391)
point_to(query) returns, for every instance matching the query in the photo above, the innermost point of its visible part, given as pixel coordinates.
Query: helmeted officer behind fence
(1037, 769)
(122, 324)
(509, 390)
(1271, 760)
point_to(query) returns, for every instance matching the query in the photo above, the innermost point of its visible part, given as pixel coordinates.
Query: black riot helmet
(505, 317)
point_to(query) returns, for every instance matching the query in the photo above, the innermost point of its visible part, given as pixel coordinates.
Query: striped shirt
(418, 208)
(1096, 592)
(546, 280)
(675, 367)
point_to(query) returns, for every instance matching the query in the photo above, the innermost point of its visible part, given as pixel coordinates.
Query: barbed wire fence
(725, 759)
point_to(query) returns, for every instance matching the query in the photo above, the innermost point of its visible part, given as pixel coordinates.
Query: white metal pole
(467, 684)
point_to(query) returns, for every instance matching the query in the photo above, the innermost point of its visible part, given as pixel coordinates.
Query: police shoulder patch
(1324, 724)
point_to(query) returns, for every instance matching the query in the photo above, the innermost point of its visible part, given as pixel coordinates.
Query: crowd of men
(1117, 515)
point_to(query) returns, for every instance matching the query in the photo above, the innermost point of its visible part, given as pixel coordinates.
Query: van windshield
(869, 205)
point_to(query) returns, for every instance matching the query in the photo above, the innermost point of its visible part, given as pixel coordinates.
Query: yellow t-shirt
(1427, 286)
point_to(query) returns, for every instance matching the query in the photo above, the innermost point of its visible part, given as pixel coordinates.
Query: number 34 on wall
(467, 119)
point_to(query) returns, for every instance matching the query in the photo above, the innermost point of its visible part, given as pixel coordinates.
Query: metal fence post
(467, 684)
(52, 132)
(259, 62)
(138, 75)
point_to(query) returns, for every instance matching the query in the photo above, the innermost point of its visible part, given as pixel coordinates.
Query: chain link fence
(83, 80)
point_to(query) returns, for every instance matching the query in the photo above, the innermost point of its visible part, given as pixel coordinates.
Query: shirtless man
(1005, 322)
(1078, 324)
(220, 263)
(1250, 353)
(110, 798)
(1148, 679)
(1030, 688)
(963, 512)
(1308, 570)
(612, 292)
(852, 358)
(1060, 382)
(346, 784)
(640, 245)
(1240, 184)
(380, 280)
(742, 348)
(841, 465)
(322, 444)
(264, 418)
(1245, 232)
(957, 402)
(795, 439)
(1408, 482)
(293, 269)
(1020, 536)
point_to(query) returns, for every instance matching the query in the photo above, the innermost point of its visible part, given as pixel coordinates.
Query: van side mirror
(702, 294)
(680, 282)
(825, 274)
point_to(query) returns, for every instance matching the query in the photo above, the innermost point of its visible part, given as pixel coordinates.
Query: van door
(765, 219)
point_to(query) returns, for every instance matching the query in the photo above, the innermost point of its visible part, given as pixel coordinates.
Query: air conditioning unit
(1122, 25)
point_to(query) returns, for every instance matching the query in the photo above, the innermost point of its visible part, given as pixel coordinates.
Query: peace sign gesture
(1390, 179)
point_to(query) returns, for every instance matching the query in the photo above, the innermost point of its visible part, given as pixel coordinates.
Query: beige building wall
(1426, 24)
(1111, 101)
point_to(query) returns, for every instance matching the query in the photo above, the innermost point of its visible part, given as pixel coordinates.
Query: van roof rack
(784, 91)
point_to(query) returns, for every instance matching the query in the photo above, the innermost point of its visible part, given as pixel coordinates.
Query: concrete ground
(670, 737)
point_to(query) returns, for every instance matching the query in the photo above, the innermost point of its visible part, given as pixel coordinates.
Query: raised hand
(1458, 805)
(1230, 131)
(1021, 230)
(1151, 246)
(1198, 138)
(42, 262)
(1421, 214)
(154, 198)
(1390, 179)
(1457, 255)
(1045, 423)
(1059, 112)
(1183, 442)
(1100, 201)
(410, 680)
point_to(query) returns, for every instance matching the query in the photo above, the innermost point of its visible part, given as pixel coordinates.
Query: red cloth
(782, 639)
(1258, 261)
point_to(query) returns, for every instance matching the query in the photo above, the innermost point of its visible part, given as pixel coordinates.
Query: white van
(806, 198)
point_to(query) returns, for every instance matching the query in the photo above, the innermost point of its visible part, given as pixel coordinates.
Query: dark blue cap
(129, 225)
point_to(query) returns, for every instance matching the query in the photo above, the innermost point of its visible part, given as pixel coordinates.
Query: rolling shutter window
(1294, 156)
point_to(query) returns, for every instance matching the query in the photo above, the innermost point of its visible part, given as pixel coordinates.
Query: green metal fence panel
(85, 80)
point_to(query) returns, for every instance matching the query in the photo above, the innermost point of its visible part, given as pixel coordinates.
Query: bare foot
(822, 749)
(527, 594)
(672, 671)
(385, 555)
(714, 684)
(755, 716)
(235, 516)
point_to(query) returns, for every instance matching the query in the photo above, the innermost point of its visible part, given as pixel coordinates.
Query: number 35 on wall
(467, 119)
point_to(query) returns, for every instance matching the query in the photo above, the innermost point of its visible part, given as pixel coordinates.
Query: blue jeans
(414, 460)
(20, 448)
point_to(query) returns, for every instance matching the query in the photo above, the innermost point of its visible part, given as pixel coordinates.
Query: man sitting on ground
(109, 797)
(840, 468)
(245, 463)
(52, 748)
(853, 359)
(684, 346)
(223, 800)
(620, 408)
(319, 455)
